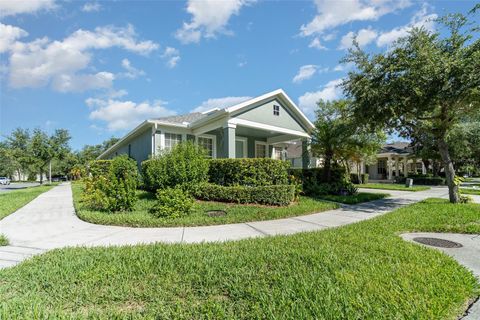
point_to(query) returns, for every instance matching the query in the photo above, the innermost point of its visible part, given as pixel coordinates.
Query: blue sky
(98, 68)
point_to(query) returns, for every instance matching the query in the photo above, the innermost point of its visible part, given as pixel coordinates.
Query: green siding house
(270, 125)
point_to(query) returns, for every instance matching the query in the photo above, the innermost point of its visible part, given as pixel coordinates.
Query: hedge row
(316, 175)
(423, 180)
(278, 195)
(248, 172)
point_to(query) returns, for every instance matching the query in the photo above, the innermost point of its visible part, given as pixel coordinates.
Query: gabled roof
(183, 119)
(397, 148)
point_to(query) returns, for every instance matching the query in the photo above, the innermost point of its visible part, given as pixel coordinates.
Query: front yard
(392, 186)
(360, 271)
(235, 213)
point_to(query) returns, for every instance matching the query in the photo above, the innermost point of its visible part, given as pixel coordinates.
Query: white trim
(162, 137)
(214, 142)
(257, 125)
(245, 146)
(261, 143)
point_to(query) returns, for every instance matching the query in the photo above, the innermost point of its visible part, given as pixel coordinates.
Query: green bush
(248, 172)
(114, 190)
(172, 203)
(99, 167)
(314, 183)
(184, 166)
(279, 195)
(365, 177)
(354, 178)
(419, 179)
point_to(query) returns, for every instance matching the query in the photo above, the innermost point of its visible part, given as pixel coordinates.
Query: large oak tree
(426, 82)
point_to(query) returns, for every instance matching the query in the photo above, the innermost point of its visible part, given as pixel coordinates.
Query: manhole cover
(435, 242)
(216, 213)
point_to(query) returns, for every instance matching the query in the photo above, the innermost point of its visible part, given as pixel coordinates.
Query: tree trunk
(327, 168)
(449, 171)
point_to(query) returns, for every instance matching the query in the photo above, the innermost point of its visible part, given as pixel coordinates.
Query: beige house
(393, 160)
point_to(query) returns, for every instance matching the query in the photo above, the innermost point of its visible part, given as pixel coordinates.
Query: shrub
(99, 167)
(422, 180)
(172, 203)
(248, 172)
(114, 190)
(184, 166)
(279, 195)
(365, 178)
(354, 178)
(314, 183)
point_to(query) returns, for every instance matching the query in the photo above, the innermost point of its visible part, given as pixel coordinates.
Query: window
(276, 110)
(277, 154)
(260, 150)
(172, 139)
(381, 167)
(207, 144)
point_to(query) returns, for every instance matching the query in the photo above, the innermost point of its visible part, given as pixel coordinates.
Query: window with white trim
(260, 150)
(172, 139)
(277, 153)
(276, 110)
(207, 144)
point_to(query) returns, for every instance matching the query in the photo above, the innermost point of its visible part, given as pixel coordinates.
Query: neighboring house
(262, 127)
(393, 160)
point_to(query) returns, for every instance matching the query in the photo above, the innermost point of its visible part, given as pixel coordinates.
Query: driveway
(49, 222)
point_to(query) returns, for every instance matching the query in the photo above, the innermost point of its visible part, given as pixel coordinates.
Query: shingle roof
(180, 119)
(396, 147)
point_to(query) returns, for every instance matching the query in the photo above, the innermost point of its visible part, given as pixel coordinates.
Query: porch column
(397, 169)
(405, 167)
(305, 154)
(424, 169)
(389, 167)
(229, 140)
(415, 165)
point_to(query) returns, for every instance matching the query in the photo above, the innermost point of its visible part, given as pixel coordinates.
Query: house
(393, 160)
(261, 127)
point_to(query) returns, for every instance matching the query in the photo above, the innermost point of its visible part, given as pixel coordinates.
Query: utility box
(409, 183)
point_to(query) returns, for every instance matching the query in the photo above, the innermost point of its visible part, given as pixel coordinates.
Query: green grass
(3, 240)
(11, 201)
(360, 271)
(470, 191)
(392, 186)
(140, 216)
(354, 199)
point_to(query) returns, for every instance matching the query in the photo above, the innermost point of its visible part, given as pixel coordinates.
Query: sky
(99, 68)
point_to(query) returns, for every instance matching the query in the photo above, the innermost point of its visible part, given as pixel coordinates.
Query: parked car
(4, 181)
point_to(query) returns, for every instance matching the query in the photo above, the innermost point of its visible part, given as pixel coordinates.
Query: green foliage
(248, 172)
(278, 195)
(13, 200)
(184, 167)
(422, 180)
(315, 183)
(364, 178)
(114, 190)
(172, 203)
(99, 167)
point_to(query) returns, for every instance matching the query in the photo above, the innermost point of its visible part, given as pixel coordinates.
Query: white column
(389, 167)
(424, 169)
(397, 169)
(405, 166)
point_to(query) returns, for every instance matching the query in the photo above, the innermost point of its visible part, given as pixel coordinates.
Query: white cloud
(308, 101)
(363, 36)
(209, 18)
(91, 7)
(130, 71)
(420, 19)
(315, 43)
(122, 115)
(331, 14)
(219, 103)
(305, 72)
(14, 7)
(172, 56)
(63, 64)
(8, 35)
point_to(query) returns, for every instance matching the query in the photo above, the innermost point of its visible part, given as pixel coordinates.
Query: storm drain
(435, 242)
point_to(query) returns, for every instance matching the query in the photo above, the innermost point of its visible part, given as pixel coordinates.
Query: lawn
(3, 240)
(392, 186)
(140, 216)
(354, 199)
(11, 201)
(360, 271)
(470, 191)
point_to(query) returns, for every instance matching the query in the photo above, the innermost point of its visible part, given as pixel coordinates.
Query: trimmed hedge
(363, 178)
(99, 167)
(248, 172)
(278, 195)
(314, 184)
(315, 175)
(423, 180)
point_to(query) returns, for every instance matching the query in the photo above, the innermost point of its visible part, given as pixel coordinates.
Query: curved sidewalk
(49, 222)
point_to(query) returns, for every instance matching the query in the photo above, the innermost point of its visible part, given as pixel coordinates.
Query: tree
(16, 149)
(338, 137)
(425, 83)
(43, 149)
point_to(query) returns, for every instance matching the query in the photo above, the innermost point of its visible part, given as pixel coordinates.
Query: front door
(240, 148)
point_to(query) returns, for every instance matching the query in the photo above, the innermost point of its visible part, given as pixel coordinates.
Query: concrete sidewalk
(50, 222)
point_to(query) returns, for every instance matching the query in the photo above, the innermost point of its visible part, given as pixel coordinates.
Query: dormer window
(276, 110)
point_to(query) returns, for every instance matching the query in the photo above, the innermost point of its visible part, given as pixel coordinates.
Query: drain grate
(216, 213)
(435, 242)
